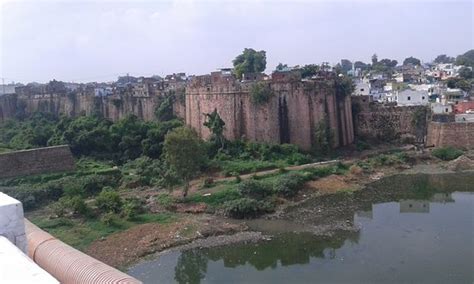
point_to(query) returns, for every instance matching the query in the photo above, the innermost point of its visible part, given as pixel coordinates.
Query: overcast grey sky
(98, 40)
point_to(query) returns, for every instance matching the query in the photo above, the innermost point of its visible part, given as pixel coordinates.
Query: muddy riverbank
(321, 212)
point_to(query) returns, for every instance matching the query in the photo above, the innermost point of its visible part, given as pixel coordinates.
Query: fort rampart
(290, 115)
(36, 161)
(374, 121)
(455, 134)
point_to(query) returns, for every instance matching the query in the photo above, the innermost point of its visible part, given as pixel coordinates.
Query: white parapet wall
(16, 267)
(12, 225)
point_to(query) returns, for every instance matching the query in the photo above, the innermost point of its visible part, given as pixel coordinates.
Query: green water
(426, 238)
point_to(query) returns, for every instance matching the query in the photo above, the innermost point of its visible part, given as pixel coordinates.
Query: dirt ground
(332, 184)
(124, 248)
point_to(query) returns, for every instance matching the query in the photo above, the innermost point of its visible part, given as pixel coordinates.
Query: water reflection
(395, 244)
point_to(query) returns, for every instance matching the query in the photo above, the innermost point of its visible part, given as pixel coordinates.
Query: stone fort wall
(76, 104)
(290, 115)
(375, 121)
(455, 134)
(36, 161)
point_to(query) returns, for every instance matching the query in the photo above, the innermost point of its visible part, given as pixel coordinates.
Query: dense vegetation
(447, 153)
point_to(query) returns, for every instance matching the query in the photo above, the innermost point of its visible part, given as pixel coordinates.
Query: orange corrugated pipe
(67, 264)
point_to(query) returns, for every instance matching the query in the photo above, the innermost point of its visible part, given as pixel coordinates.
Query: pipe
(67, 264)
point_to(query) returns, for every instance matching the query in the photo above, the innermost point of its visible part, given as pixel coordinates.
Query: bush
(165, 200)
(447, 153)
(246, 208)
(109, 219)
(288, 185)
(75, 205)
(254, 189)
(260, 93)
(318, 172)
(132, 207)
(109, 201)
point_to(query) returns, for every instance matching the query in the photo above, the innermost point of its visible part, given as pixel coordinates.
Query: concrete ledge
(12, 225)
(16, 267)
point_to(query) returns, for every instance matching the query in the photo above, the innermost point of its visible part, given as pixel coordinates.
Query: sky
(83, 41)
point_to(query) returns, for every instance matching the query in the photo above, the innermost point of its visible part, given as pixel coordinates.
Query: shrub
(109, 201)
(318, 172)
(447, 153)
(254, 189)
(260, 93)
(74, 205)
(132, 207)
(165, 200)
(78, 206)
(288, 185)
(246, 208)
(355, 170)
(109, 219)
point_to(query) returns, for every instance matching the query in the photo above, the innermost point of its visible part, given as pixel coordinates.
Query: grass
(216, 198)
(81, 233)
(238, 166)
(447, 153)
(222, 192)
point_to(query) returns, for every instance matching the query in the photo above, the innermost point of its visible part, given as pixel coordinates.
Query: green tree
(260, 93)
(322, 138)
(216, 125)
(466, 59)
(346, 65)
(281, 67)
(309, 70)
(185, 154)
(464, 85)
(164, 111)
(411, 60)
(443, 58)
(374, 59)
(250, 61)
(465, 73)
(361, 65)
(344, 86)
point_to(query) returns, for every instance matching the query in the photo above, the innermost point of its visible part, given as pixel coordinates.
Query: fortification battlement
(281, 82)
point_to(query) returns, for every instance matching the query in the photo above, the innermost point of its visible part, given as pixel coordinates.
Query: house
(464, 107)
(412, 97)
(439, 108)
(452, 95)
(361, 88)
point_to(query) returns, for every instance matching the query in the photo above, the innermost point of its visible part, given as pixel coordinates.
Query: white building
(411, 97)
(439, 108)
(361, 88)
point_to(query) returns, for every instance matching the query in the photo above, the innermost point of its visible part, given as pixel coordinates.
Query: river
(404, 229)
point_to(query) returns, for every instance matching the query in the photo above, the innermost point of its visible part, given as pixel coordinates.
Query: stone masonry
(36, 161)
(289, 116)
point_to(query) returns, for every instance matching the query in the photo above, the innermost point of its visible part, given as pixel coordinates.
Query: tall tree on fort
(250, 61)
(346, 65)
(216, 125)
(411, 60)
(443, 58)
(185, 153)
